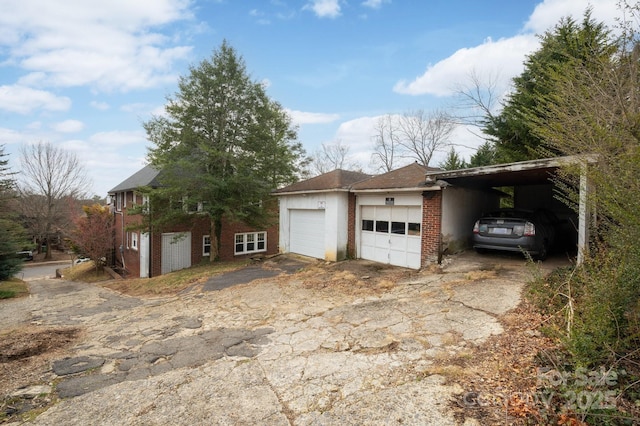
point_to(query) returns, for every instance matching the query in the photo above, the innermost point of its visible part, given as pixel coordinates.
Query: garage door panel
(397, 247)
(176, 251)
(307, 232)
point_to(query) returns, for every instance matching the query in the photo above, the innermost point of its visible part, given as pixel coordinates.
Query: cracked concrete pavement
(274, 350)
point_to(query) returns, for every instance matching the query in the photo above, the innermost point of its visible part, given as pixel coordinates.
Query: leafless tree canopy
(330, 157)
(386, 142)
(51, 178)
(416, 135)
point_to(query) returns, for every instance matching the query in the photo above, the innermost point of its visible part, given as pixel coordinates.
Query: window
(382, 226)
(127, 238)
(413, 229)
(250, 242)
(398, 228)
(119, 201)
(206, 245)
(134, 240)
(367, 225)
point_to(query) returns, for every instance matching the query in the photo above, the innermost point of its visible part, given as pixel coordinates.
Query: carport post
(584, 213)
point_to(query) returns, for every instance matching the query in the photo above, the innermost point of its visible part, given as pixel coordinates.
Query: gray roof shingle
(147, 176)
(336, 179)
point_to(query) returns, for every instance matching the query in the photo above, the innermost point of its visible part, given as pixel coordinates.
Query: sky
(85, 75)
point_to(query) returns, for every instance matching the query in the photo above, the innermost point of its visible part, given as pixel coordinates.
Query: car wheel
(544, 251)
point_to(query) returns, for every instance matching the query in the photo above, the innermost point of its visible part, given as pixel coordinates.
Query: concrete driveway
(347, 343)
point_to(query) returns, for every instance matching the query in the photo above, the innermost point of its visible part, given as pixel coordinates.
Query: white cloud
(324, 8)
(374, 4)
(109, 45)
(503, 58)
(68, 126)
(24, 100)
(118, 138)
(102, 106)
(301, 117)
(547, 14)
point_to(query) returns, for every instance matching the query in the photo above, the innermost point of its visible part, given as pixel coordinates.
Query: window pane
(367, 225)
(382, 226)
(260, 245)
(239, 239)
(239, 248)
(414, 229)
(397, 228)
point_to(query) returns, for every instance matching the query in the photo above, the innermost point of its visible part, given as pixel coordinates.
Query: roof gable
(411, 176)
(147, 176)
(334, 180)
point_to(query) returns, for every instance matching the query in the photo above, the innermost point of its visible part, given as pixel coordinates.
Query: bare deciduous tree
(51, 179)
(386, 142)
(330, 157)
(479, 99)
(422, 133)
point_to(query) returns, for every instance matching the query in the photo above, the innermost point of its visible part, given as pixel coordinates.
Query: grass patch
(174, 282)
(85, 272)
(13, 287)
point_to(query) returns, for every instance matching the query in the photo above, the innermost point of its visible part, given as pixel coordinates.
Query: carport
(533, 187)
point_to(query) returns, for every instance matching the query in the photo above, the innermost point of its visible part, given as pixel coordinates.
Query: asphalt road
(35, 271)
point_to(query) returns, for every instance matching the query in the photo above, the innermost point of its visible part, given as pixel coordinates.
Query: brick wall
(230, 229)
(431, 226)
(198, 227)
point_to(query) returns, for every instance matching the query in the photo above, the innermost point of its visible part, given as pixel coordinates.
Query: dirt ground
(26, 353)
(504, 362)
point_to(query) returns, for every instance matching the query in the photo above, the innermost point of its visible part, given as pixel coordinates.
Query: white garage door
(306, 232)
(391, 234)
(176, 251)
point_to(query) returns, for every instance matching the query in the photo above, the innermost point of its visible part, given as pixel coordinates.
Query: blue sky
(84, 75)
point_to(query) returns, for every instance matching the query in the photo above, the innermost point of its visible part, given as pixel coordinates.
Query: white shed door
(176, 251)
(306, 232)
(391, 234)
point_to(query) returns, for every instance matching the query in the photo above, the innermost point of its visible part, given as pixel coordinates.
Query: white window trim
(134, 241)
(244, 244)
(204, 244)
(119, 201)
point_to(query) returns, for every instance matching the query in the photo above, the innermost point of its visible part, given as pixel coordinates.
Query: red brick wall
(351, 227)
(199, 227)
(431, 226)
(229, 229)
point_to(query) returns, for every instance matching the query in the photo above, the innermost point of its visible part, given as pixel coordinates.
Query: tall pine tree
(223, 143)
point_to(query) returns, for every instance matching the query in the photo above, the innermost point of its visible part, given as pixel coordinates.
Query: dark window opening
(398, 228)
(382, 226)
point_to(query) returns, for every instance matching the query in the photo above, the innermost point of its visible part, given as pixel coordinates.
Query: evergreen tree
(484, 156)
(453, 161)
(223, 144)
(12, 234)
(568, 43)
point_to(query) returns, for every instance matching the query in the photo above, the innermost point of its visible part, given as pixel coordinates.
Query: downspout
(121, 248)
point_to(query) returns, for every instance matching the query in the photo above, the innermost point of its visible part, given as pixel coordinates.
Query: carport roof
(335, 180)
(532, 172)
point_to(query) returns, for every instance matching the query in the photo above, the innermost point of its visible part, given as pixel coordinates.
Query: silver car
(526, 231)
